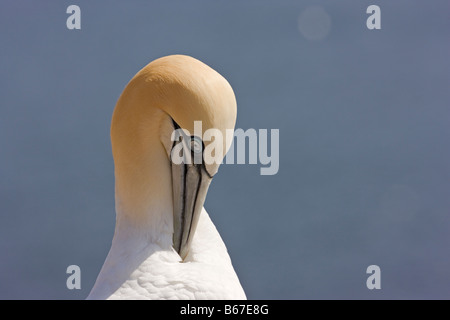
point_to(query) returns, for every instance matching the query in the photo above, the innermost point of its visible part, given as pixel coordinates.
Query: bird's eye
(196, 144)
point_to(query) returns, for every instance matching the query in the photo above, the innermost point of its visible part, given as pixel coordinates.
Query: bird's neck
(143, 231)
(144, 217)
(147, 225)
(143, 188)
(144, 206)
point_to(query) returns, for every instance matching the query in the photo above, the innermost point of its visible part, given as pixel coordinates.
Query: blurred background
(363, 115)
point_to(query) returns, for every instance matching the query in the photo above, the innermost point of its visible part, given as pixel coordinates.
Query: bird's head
(179, 111)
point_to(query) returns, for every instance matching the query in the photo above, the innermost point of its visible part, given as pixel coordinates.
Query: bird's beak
(190, 183)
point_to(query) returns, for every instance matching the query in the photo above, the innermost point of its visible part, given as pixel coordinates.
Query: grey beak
(190, 183)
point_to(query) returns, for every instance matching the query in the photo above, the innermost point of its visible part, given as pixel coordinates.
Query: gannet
(165, 245)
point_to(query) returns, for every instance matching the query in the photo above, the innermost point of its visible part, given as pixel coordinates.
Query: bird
(165, 246)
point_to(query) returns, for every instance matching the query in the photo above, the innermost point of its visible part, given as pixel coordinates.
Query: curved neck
(142, 169)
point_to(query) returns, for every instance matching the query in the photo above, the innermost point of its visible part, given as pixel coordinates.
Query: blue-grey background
(364, 141)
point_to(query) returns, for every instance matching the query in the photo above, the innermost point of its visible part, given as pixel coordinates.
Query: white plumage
(153, 272)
